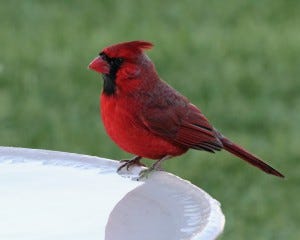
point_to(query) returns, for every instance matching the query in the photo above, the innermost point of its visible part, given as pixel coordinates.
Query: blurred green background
(237, 60)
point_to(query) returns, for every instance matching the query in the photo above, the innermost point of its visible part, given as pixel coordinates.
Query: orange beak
(99, 65)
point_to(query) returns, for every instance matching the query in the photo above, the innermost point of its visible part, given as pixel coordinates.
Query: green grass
(237, 60)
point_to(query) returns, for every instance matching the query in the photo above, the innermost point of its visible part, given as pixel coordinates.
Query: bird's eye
(104, 56)
(109, 60)
(117, 61)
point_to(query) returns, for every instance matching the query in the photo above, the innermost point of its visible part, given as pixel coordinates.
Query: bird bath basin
(56, 195)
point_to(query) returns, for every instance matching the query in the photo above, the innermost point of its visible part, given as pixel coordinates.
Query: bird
(148, 118)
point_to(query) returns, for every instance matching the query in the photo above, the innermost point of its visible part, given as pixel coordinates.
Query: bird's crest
(127, 49)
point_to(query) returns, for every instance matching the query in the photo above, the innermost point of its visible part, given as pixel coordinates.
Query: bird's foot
(144, 174)
(131, 162)
(155, 167)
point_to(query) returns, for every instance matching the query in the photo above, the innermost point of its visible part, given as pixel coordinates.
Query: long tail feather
(248, 157)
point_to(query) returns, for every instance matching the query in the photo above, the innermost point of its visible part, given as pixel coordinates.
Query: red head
(125, 51)
(122, 60)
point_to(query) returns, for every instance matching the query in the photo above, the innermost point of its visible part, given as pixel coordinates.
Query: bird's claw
(129, 163)
(146, 172)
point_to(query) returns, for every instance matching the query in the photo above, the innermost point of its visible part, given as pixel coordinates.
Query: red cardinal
(147, 117)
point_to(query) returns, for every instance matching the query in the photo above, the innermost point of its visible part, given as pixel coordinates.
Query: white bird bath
(64, 196)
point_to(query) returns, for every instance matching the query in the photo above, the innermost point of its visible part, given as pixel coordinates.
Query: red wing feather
(196, 132)
(181, 122)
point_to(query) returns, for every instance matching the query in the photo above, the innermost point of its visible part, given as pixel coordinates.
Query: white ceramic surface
(56, 195)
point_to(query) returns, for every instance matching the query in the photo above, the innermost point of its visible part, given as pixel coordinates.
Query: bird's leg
(131, 162)
(155, 167)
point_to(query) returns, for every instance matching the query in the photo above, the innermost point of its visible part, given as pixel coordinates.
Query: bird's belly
(122, 125)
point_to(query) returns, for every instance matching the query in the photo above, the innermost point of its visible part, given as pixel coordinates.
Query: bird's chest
(121, 119)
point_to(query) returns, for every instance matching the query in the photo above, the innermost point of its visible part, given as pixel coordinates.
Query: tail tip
(278, 174)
